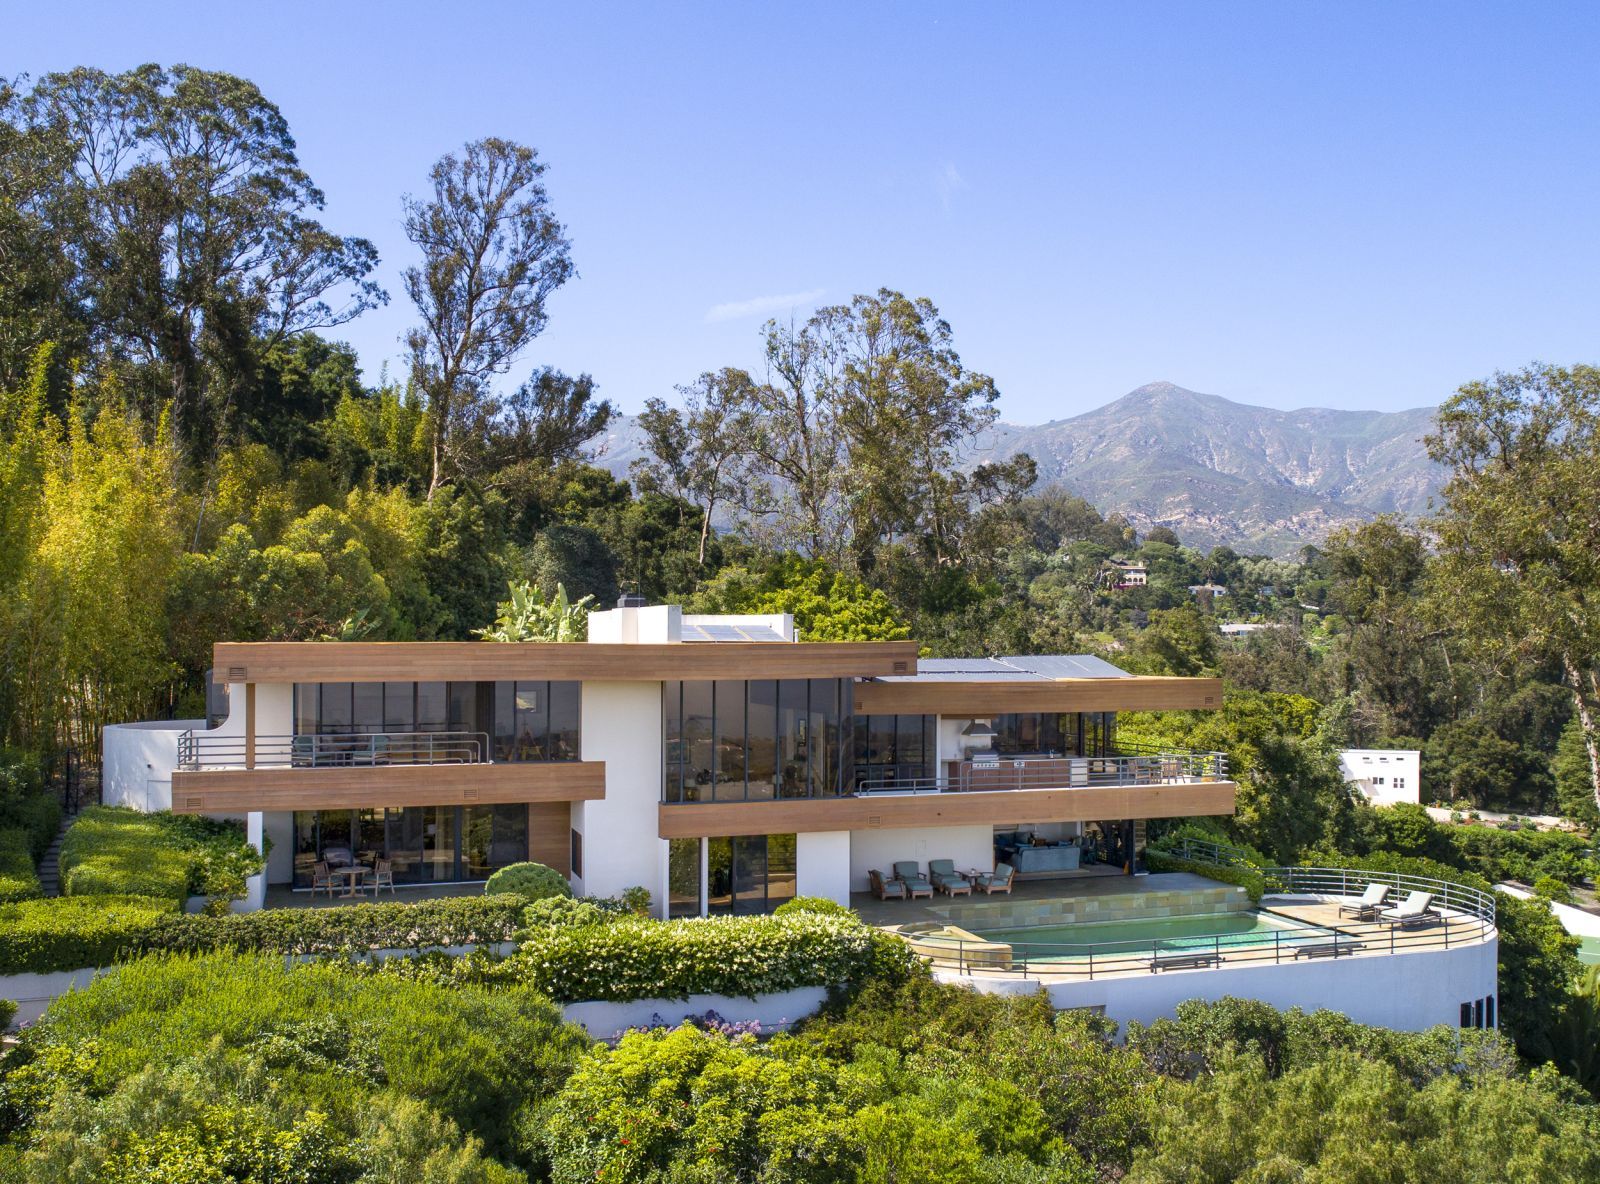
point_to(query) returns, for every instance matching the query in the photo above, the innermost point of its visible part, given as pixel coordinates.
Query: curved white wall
(137, 761)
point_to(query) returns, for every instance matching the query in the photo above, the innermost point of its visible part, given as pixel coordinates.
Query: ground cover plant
(111, 850)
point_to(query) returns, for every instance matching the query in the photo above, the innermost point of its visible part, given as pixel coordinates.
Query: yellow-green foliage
(117, 851)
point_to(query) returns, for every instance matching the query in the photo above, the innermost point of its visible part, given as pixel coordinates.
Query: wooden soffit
(436, 661)
(283, 788)
(689, 820)
(1002, 696)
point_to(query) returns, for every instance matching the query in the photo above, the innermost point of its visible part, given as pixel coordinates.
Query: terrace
(208, 750)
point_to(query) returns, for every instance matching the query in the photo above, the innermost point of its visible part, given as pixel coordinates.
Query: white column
(255, 888)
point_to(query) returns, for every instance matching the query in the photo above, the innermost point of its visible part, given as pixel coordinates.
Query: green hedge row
(39, 815)
(66, 933)
(740, 956)
(1250, 880)
(19, 879)
(111, 850)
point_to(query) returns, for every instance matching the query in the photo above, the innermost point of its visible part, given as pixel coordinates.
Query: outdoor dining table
(352, 875)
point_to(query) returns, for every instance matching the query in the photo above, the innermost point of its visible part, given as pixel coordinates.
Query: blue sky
(1291, 204)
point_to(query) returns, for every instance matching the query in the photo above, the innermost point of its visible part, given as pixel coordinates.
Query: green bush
(8, 1012)
(66, 933)
(1253, 882)
(39, 815)
(566, 910)
(111, 850)
(741, 956)
(1551, 888)
(811, 904)
(531, 881)
(19, 880)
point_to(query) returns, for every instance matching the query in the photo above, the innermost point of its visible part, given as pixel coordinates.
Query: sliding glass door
(749, 873)
(424, 844)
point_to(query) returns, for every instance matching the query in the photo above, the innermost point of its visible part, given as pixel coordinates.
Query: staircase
(50, 865)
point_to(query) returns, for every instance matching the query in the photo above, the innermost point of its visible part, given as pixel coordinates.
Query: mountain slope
(1217, 472)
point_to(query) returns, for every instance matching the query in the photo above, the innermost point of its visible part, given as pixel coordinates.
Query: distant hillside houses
(1211, 590)
(1124, 573)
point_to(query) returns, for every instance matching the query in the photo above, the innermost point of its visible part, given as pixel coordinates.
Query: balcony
(1150, 767)
(231, 773)
(203, 750)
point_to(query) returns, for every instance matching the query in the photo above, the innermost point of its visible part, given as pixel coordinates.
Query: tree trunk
(705, 531)
(1587, 722)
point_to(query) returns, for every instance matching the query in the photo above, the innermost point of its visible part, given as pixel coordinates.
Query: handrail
(1167, 767)
(197, 750)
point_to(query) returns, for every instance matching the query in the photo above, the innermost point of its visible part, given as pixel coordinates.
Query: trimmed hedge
(112, 850)
(67, 933)
(357, 928)
(1249, 879)
(741, 956)
(39, 815)
(531, 881)
(19, 879)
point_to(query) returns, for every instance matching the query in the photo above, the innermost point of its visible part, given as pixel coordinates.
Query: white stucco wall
(969, 846)
(1363, 767)
(822, 865)
(1408, 992)
(621, 841)
(137, 760)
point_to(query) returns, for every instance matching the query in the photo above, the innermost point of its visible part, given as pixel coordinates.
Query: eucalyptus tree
(492, 253)
(190, 226)
(1518, 572)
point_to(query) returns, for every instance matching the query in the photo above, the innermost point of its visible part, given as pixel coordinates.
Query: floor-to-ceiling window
(525, 720)
(423, 844)
(749, 873)
(893, 749)
(732, 740)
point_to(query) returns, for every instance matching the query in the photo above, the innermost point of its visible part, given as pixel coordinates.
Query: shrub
(38, 815)
(531, 881)
(1552, 889)
(8, 1012)
(111, 850)
(18, 878)
(743, 956)
(811, 904)
(565, 910)
(1253, 882)
(66, 933)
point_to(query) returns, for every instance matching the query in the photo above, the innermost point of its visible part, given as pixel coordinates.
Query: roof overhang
(437, 661)
(976, 698)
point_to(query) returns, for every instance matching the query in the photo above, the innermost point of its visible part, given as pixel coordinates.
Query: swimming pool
(1589, 951)
(1223, 931)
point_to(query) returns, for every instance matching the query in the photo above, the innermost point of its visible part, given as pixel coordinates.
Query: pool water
(1589, 951)
(1227, 930)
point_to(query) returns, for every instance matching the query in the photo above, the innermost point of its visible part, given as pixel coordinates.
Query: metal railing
(202, 750)
(1103, 959)
(1170, 767)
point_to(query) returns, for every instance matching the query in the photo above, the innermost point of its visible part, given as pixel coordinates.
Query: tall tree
(190, 223)
(492, 252)
(551, 418)
(700, 453)
(1519, 534)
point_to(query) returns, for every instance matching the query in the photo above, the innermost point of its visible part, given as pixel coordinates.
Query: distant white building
(1212, 590)
(1246, 628)
(1385, 776)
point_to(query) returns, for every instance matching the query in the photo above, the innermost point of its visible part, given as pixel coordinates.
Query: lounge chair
(1000, 881)
(909, 873)
(884, 889)
(946, 879)
(1416, 909)
(1371, 903)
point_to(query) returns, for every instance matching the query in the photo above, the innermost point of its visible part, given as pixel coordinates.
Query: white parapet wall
(822, 865)
(1407, 992)
(137, 761)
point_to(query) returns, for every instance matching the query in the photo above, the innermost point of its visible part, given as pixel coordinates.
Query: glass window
(367, 707)
(749, 873)
(307, 712)
(335, 715)
(761, 740)
(433, 712)
(823, 711)
(491, 838)
(463, 699)
(729, 780)
(683, 878)
(781, 865)
(532, 722)
(793, 741)
(566, 714)
(577, 852)
(505, 720)
(399, 707)
(672, 737)
(698, 757)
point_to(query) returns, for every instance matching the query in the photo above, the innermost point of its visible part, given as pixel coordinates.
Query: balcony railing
(201, 750)
(1171, 767)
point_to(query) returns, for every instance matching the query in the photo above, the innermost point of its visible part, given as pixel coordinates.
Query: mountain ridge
(1257, 479)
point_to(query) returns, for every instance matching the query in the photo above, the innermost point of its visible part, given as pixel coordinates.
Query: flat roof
(1012, 668)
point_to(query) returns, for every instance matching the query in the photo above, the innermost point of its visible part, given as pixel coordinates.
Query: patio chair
(382, 877)
(1000, 881)
(946, 879)
(1416, 909)
(885, 889)
(1370, 904)
(321, 877)
(910, 874)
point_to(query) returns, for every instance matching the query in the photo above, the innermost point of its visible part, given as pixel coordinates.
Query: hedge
(19, 880)
(71, 932)
(741, 956)
(66, 933)
(1252, 881)
(38, 814)
(453, 921)
(111, 850)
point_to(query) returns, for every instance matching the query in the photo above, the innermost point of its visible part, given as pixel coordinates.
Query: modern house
(1384, 776)
(712, 760)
